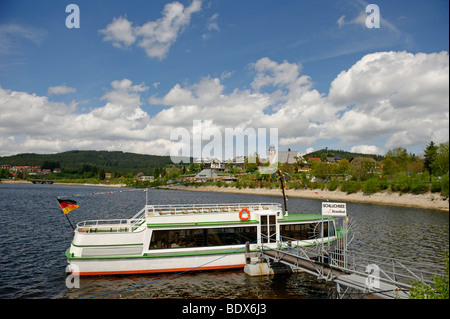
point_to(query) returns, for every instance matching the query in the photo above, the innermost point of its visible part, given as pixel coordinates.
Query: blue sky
(136, 70)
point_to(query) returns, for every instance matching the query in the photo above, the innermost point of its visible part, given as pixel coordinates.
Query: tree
(430, 157)
(101, 174)
(364, 167)
(398, 160)
(343, 167)
(440, 164)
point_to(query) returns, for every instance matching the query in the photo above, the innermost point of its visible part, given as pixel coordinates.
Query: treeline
(324, 153)
(74, 162)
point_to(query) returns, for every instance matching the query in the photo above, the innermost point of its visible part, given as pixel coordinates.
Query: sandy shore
(428, 200)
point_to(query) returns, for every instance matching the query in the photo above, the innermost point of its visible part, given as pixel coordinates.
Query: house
(206, 175)
(285, 157)
(214, 163)
(146, 178)
(289, 157)
(335, 159)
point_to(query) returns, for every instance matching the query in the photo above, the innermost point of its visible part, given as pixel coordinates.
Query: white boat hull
(150, 264)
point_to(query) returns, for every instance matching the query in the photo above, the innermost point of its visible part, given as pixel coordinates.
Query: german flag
(67, 205)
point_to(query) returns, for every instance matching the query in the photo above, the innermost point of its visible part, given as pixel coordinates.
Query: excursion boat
(174, 238)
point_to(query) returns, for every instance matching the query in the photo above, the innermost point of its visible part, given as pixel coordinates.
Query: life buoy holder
(244, 214)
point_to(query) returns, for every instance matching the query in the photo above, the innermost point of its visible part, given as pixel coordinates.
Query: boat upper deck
(192, 214)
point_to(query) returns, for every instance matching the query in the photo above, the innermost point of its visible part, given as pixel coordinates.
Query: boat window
(328, 225)
(298, 231)
(181, 238)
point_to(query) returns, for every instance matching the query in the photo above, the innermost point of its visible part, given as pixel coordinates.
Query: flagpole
(282, 189)
(69, 222)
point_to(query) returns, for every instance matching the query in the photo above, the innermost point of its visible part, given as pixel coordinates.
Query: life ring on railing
(244, 214)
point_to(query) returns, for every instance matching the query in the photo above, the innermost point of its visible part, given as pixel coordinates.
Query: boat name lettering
(334, 209)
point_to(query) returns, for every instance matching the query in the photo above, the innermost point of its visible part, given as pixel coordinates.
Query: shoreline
(427, 201)
(8, 181)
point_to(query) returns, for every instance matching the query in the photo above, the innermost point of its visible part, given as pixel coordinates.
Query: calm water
(34, 235)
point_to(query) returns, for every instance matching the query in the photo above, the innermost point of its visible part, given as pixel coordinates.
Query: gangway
(334, 260)
(388, 278)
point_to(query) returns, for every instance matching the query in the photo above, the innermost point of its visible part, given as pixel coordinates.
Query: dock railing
(383, 276)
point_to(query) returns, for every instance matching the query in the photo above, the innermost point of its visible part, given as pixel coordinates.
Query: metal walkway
(381, 277)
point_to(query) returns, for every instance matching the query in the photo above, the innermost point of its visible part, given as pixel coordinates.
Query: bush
(351, 186)
(436, 187)
(401, 183)
(333, 184)
(371, 186)
(418, 187)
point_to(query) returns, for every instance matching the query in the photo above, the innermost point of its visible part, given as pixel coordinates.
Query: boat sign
(334, 209)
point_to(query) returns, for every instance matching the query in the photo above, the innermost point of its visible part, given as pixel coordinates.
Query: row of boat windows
(203, 237)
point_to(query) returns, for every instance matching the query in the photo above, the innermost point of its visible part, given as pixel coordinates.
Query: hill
(343, 154)
(118, 162)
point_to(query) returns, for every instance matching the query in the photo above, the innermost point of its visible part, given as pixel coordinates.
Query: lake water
(34, 235)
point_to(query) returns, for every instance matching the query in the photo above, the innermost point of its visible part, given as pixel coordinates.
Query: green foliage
(439, 291)
(413, 183)
(4, 173)
(371, 186)
(333, 185)
(351, 186)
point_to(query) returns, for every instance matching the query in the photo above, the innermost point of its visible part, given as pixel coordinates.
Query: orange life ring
(247, 216)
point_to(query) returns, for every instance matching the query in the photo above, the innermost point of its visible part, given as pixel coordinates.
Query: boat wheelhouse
(173, 238)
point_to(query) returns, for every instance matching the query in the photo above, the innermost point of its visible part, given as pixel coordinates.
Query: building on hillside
(335, 159)
(146, 178)
(285, 157)
(206, 175)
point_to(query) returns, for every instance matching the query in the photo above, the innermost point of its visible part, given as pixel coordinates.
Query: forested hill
(343, 154)
(75, 160)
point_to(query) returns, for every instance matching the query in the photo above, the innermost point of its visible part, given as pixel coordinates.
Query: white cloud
(366, 149)
(60, 89)
(400, 96)
(120, 32)
(155, 37)
(385, 100)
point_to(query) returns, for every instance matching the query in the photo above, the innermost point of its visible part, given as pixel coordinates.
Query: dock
(369, 275)
(42, 181)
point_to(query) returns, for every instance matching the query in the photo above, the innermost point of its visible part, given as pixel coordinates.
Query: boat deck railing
(112, 225)
(132, 224)
(160, 210)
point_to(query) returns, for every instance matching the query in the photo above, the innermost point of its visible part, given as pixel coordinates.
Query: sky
(139, 76)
